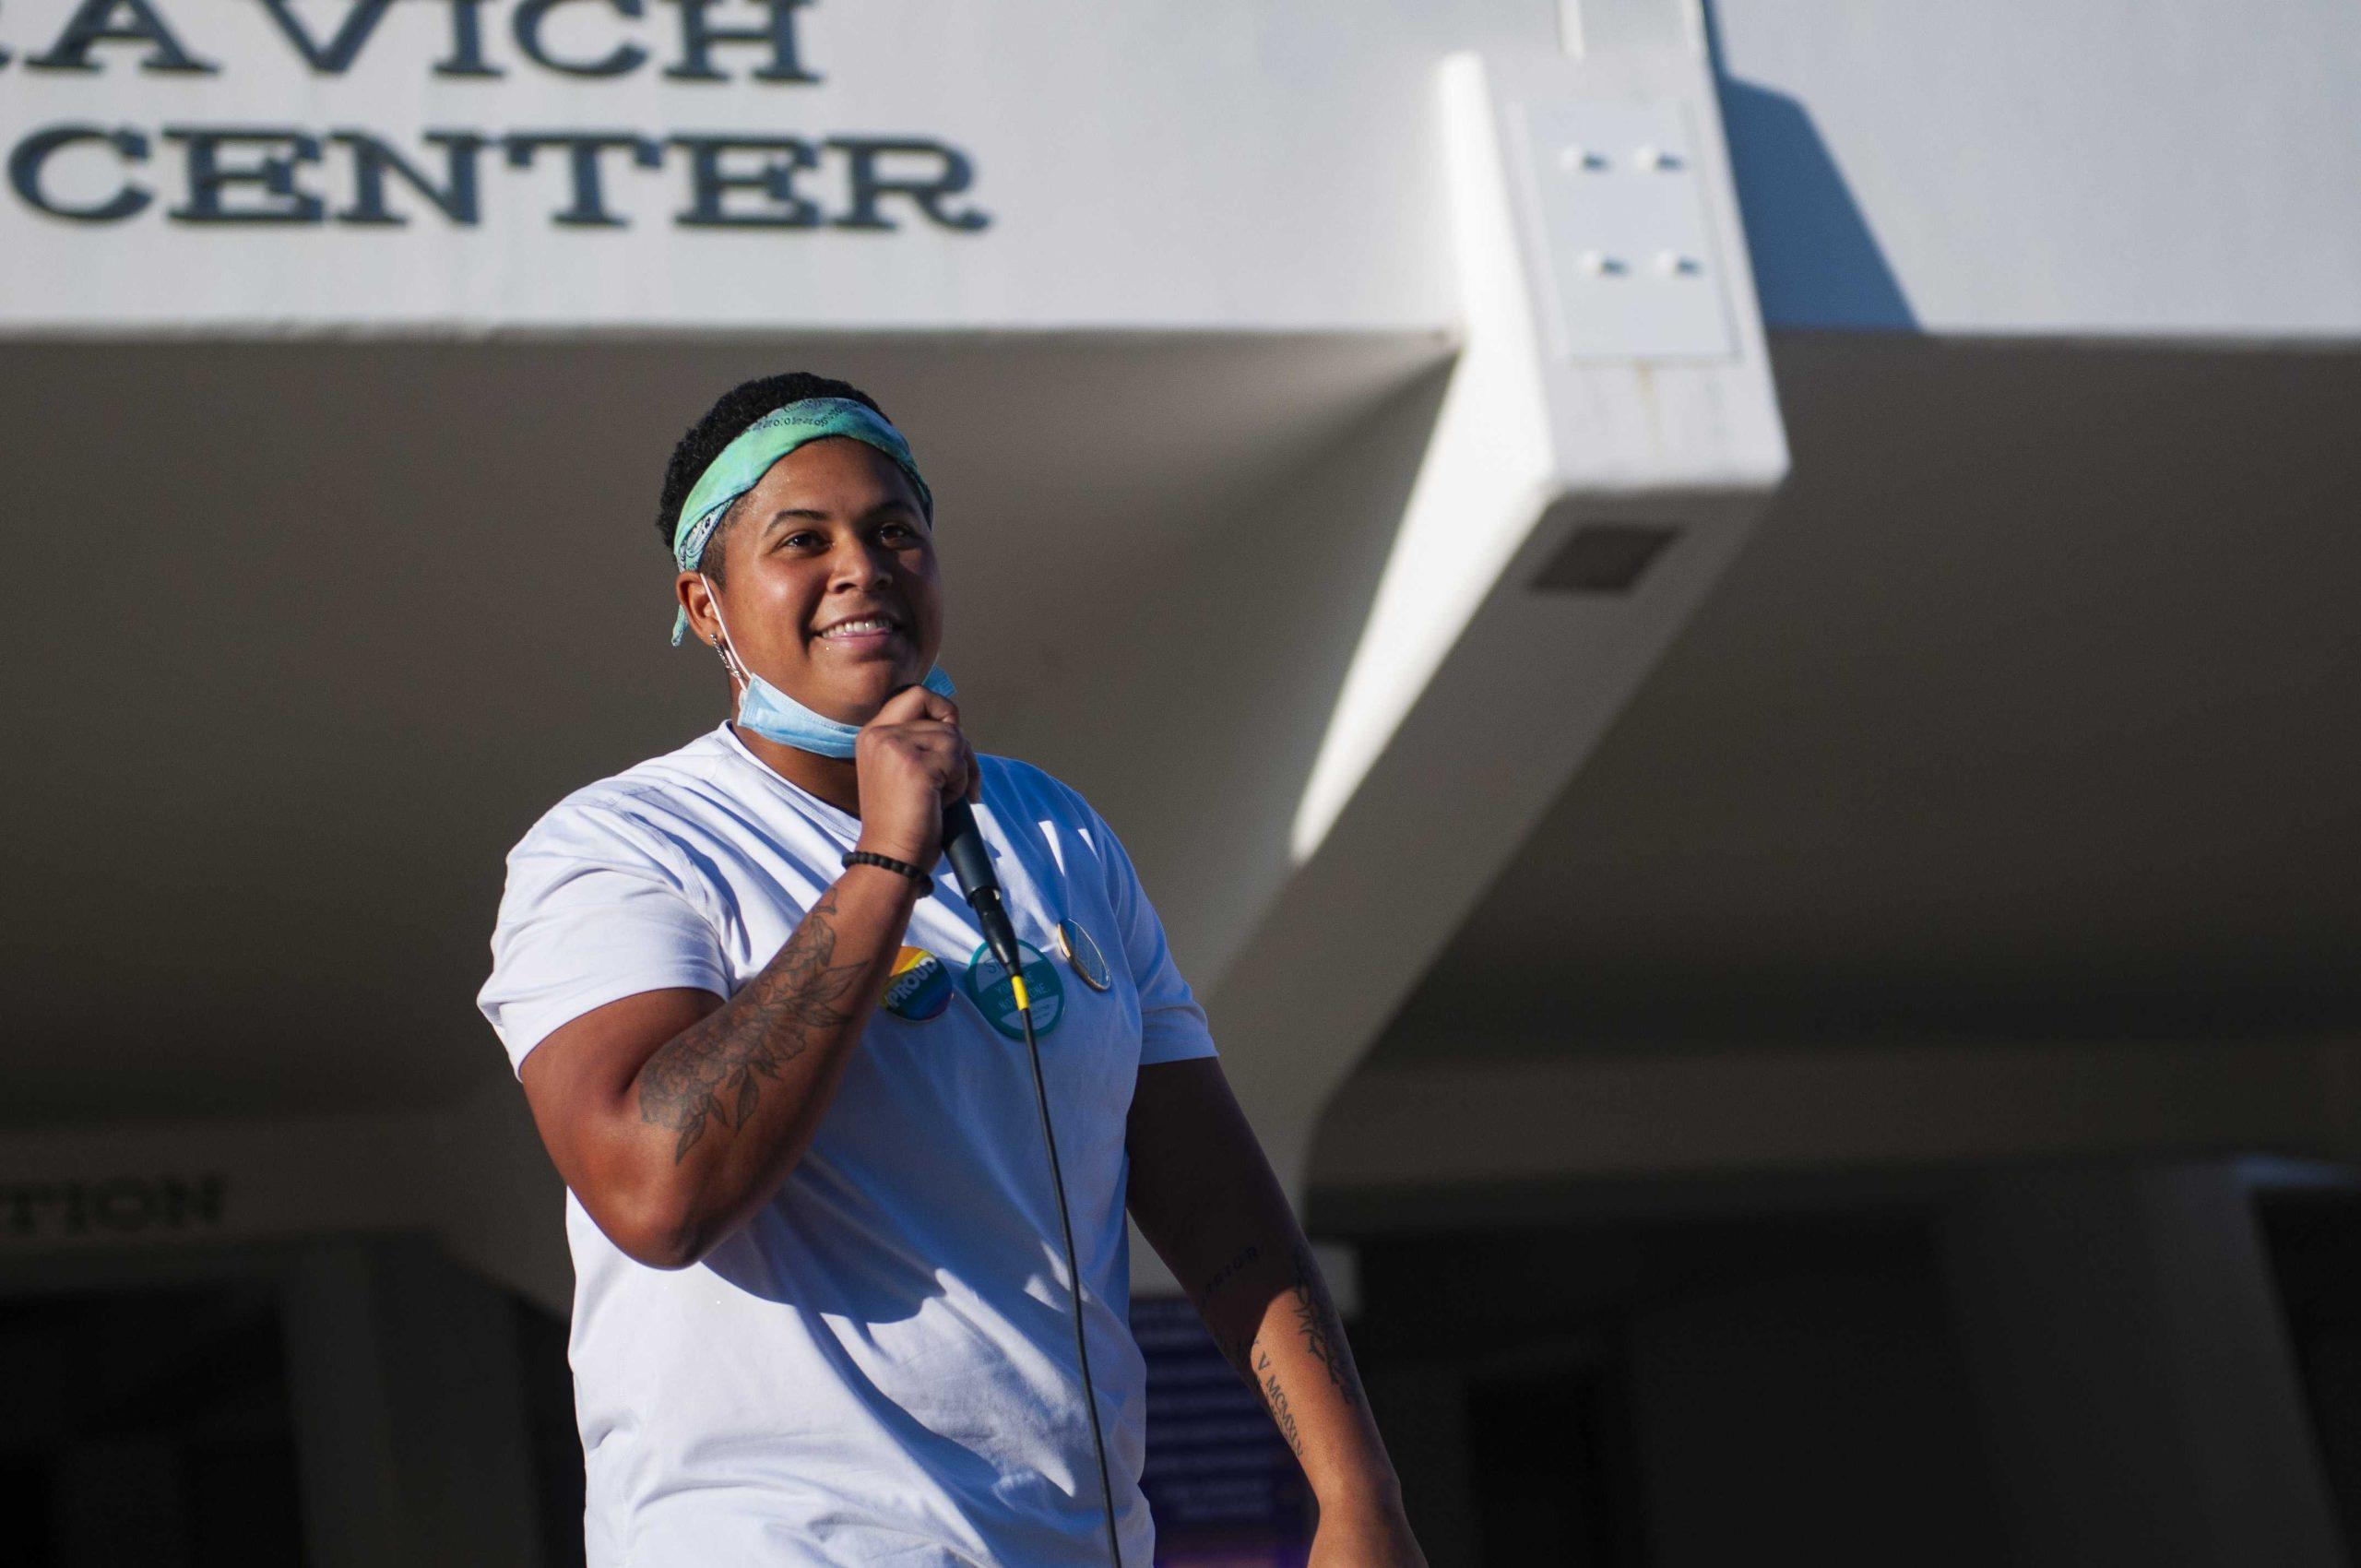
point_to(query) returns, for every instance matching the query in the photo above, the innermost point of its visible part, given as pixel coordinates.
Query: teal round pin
(989, 988)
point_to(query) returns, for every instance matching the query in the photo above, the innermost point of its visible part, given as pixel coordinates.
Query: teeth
(851, 628)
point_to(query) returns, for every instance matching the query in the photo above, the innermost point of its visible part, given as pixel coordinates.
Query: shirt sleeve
(597, 909)
(1173, 1027)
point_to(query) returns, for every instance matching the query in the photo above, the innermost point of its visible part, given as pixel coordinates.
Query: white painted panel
(2023, 166)
(1618, 214)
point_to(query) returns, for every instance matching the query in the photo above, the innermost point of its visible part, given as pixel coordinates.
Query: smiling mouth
(860, 629)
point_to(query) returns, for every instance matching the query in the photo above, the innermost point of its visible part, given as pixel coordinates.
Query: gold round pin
(1074, 944)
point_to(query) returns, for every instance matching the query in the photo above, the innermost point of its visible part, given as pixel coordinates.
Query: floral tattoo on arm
(714, 1070)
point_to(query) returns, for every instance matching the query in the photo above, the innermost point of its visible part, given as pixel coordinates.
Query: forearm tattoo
(1323, 1330)
(1238, 1351)
(714, 1070)
(1316, 1319)
(1276, 1398)
(1224, 1274)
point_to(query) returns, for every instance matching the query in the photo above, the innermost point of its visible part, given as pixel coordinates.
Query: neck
(834, 779)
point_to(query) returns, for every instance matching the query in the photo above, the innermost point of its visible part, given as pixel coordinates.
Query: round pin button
(919, 987)
(989, 988)
(1077, 946)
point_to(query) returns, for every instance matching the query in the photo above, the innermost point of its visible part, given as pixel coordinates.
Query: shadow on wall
(1816, 263)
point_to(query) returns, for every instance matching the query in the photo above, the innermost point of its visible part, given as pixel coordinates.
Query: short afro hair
(725, 423)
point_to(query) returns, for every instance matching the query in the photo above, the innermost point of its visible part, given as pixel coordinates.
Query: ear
(697, 598)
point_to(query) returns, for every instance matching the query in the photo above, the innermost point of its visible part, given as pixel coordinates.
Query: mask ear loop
(722, 645)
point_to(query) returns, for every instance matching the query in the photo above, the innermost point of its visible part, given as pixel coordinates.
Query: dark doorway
(150, 1426)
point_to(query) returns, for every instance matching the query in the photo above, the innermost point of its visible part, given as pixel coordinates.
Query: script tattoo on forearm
(1276, 1398)
(1227, 1273)
(1323, 1334)
(1238, 1350)
(714, 1070)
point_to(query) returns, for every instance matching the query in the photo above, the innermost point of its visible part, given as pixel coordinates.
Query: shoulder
(1062, 820)
(640, 808)
(1011, 784)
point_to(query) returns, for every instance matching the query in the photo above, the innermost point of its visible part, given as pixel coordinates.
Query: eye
(801, 539)
(898, 533)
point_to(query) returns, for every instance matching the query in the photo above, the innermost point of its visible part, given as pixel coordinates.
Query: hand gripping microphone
(971, 862)
(972, 865)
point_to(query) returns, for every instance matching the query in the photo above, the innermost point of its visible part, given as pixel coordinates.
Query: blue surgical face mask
(774, 716)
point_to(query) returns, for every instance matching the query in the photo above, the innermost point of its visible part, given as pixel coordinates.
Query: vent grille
(1604, 558)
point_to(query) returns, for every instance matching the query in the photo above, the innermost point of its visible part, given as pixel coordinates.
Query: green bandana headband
(744, 461)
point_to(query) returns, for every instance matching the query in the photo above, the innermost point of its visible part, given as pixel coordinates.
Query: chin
(856, 689)
(865, 692)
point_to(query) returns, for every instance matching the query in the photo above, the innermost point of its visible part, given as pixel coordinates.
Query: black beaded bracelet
(885, 863)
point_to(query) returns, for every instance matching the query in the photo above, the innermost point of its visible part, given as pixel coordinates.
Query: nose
(859, 566)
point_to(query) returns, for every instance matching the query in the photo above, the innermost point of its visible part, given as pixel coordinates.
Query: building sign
(114, 1205)
(263, 171)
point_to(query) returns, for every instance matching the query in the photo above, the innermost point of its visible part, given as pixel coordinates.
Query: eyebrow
(813, 514)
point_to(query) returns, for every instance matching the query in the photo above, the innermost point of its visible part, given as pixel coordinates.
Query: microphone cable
(972, 865)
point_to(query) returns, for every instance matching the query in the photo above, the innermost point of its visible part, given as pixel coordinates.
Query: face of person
(828, 586)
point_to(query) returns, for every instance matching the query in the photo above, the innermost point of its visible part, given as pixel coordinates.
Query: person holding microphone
(821, 1311)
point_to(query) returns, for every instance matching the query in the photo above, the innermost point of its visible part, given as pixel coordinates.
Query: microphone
(972, 865)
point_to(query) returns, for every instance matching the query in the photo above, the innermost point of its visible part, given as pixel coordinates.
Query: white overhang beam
(1608, 437)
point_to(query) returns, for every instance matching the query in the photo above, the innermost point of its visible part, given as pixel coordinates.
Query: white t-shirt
(879, 1367)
